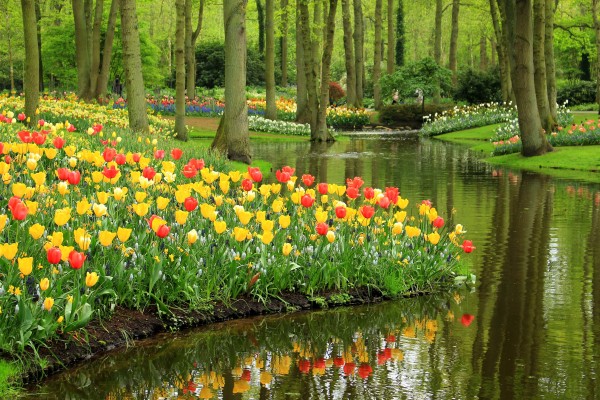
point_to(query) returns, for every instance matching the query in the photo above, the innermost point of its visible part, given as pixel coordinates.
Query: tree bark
(271, 111)
(539, 63)
(81, 50)
(349, 54)
(261, 27)
(309, 70)
(95, 65)
(102, 83)
(390, 38)
(38, 24)
(595, 10)
(284, 42)
(302, 112)
(454, 41)
(359, 40)
(377, 56)
(180, 52)
(235, 119)
(437, 46)
(323, 134)
(549, 49)
(400, 39)
(502, 51)
(519, 24)
(132, 65)
(189, 53)
(482, 53)
(31, 80)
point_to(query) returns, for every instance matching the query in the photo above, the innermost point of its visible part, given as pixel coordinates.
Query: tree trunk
(539, 63)
(302, 112)
(132, 65)
(359, 40)
(349, 54)
(235, 123)
(180, 53)
(377, 56)
(454, 41)
(595, 10)
(102, 84)
(95, 65)
(309, 70)
(482, 53)
(271, 111)
(189, 53)
(549, 49)
(261, 27)
(31, 79)
(502, 50)
(390, 38)
(81, 50)
(493, 53)
(437, 47)
(323, 134)
(284, 43)
(317, 37)
(400, 39)
(38, 24)
(7, 13)
(520, 32)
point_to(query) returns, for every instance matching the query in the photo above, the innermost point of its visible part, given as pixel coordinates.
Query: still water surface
(529, 329)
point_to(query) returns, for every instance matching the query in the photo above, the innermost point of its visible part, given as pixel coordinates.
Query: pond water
(529, 328)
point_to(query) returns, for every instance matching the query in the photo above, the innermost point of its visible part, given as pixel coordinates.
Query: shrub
(336, 92)
(476, 87)
(576, 92)
(210, 70)
(410, 114)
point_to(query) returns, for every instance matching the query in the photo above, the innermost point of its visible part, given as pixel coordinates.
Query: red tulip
(282, 176)
(427, 202)
(109, 154)
(25, 136)
(176, 153)
(255, 174)
(71, 128)
(308, 180)
(438, 222)
(247, 185)
(197, 163)
(367, 211)
(246, 375)
(338, 361)
(53, 255)
(349, 368)
(468, 246)
(111, 172)
(7, 159)
(352, 192)
(365, 370)
(39, 138)
(369, 193)
(97, 128)
(322, 228)
(163, 231)
(304, 366)
(159, 154)
(384, 202)
(190, 203)
(13, 201)
(74, 177)
(148, 173)
(19, 211)
(76, 259)
(59, 142)
(21, 117)
(307, 201)
(320, 363)
(63, 173)
(356, 182)
(392, 193)
(340, 212)
(466, 319)
(120, 159)
(136, 157)
(41, 122)
(322, 187)
(189, 171)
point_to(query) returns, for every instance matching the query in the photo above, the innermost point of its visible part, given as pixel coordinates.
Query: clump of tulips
(90, 221)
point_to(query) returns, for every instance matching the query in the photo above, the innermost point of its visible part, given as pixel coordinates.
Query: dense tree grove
(92, 47)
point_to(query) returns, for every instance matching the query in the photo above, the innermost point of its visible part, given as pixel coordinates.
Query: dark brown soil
(125, 325)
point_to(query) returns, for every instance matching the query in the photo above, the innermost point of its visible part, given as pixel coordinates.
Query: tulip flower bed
(467, 117)
(90, 223)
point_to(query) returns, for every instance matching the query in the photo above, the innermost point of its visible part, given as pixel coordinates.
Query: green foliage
(476, 87)
(411, 114)
(576, 92)
(210, 61)
(422, 74)
(336, 92)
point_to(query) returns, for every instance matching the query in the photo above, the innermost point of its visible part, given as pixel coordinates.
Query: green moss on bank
(8, 375)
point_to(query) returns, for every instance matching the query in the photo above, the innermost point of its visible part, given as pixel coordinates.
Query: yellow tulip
(276, 188)
(70, 150)
(36, 231)
(192, 236)
(459, 229)
(267, 237)
(157, 222)
(397, 228)
(100, 210)
(433, 238)
(168, 166)
(48, 303)
(181, 194)
(25, 265)
(402, 203)
(235, 175)
(277, 206)
(9, 251)
(240, 234)
(83, 206)
(220, 226)
(123, 234)
(97, 176)
(218, 200)
(19, 189)
(31, 164)
(119, 193)
(145, 183)
(102, 197)
(141, 209)
(44, 284)
(162, 202)
(245, 217)
(91, 278)
(321, 215)
(50, 152)
(32, 207)
(3, 219)
(181, 216)
(106, 238)
(82, 238)
(287, 249)
(62, 216)
(265, 191)
(267, 225)
(206, 210)
(284, 221)
(224, 186)
(432, 214)
(412, 231)
(400, 216)
(330, 236)
(39, 178)
(140, 196)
